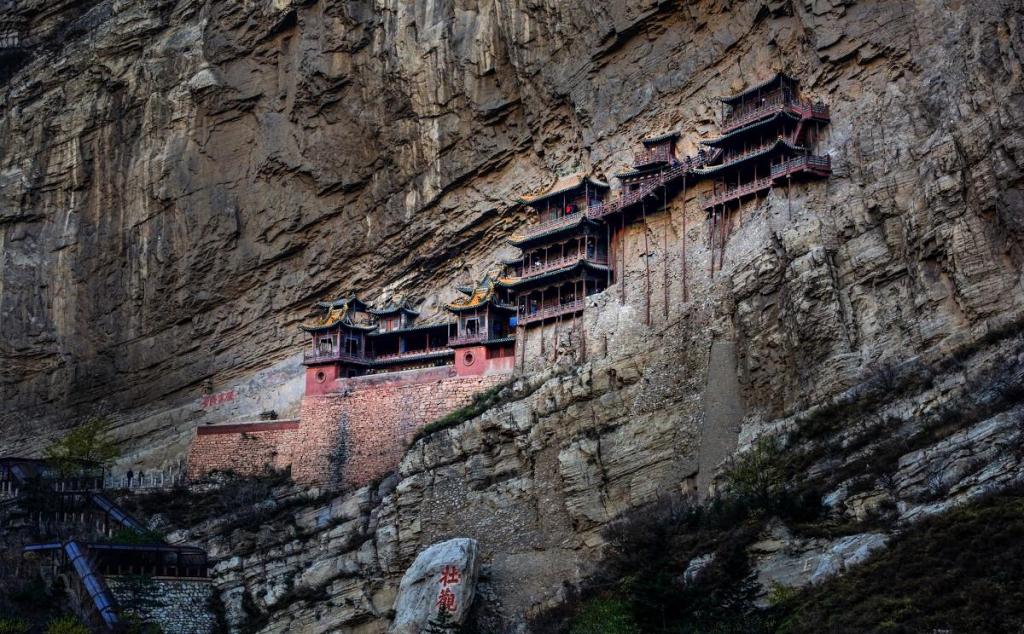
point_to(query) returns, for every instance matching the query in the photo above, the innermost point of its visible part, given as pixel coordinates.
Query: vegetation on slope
(959, 572)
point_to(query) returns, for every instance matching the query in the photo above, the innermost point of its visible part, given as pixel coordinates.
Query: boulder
(438, 588)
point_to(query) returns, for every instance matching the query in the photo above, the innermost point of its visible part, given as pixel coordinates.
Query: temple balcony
(633, 197)
(808, 163)
(772, 105)
(568, 308)
(548, 226)
(327, 357)
(559, 263)
(714, 199)
(652, 156)
(467, 340)
(412, 355)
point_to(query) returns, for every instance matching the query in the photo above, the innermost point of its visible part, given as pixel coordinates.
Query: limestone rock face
(442, 579)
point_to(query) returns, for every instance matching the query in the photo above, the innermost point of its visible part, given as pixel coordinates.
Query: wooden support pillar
(683, 254)
(622, 256)
(664, 247)
(647, 268)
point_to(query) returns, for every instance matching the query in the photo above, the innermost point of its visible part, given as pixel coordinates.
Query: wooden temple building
(349, 338)
(483, 338)
(563, 258)
(769, 134)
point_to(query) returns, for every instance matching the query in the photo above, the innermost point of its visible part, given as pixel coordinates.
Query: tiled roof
(659, 138)
(772, 119)
(562, 185)
(777, 77)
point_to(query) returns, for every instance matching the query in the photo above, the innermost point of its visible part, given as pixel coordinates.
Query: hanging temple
(374, 375)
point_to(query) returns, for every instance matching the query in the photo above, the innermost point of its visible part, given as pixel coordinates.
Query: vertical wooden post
(664, 244)
(608, 256)
(647, 268)
(683, 255)
(622, 256)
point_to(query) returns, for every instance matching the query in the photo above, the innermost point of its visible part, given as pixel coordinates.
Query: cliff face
(179, 180)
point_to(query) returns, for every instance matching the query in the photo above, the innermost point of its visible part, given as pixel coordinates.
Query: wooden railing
(714, 199)
(661, 154)
(801, 163)
(772, 105)
(318, 356)
(738, 157)
(552, 311)
(412, 354)
(466, 340)
(548, 225)
(627, 199)
(558, 263)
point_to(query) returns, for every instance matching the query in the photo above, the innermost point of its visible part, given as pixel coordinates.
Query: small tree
(86, 443)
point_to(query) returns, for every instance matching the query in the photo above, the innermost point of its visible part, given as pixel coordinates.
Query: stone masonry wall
(361, 432)
(180, 606)
(246, 449)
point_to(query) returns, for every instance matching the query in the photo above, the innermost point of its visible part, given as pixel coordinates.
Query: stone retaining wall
(352, 436)
(360, 433)
(179, 606)
(244, 448)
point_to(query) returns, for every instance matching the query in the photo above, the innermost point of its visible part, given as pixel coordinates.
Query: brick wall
(352, 436)
(360, 433)
(245, 448)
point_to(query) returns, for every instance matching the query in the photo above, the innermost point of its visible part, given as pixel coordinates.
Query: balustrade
(552, 311)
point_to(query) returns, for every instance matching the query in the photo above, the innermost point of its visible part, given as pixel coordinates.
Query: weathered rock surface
(442, 579)
(178, 180)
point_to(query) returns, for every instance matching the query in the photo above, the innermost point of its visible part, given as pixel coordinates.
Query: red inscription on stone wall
(217, 399)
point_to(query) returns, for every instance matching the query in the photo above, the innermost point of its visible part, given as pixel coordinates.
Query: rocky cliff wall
(238, 161)
(181, 179)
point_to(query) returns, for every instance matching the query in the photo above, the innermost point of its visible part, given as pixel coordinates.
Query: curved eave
(520, 242)
(641, 171)
(402, 331)
(777, 77)
(322, 328)
(660, 138)
(725, 139)
(352, 302)
(533, 200)
(381, 312)
(778, 145)
(528, 281)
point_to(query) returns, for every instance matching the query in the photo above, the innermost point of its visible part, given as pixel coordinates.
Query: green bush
(605, 615)
(13, 626)
(481, 402)
(66, 625)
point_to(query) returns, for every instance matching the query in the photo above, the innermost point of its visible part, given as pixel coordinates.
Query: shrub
(605, 615)
(757, 476)
(492, 397)
(13, 626)
(88, 442)
(66, 625)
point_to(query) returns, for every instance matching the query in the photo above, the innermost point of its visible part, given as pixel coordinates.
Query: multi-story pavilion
(483, 337)
(564, 257)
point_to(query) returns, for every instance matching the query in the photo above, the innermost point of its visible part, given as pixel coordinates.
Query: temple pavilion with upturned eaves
(564, 257)
(768, 136)
(349, 338)
(483, 336)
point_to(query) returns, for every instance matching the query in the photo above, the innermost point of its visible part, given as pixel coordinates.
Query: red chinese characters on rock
(450, 576)
(446, 601)
(216, 399)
